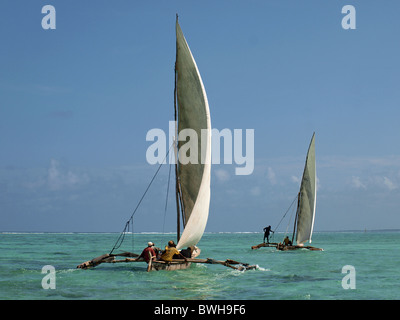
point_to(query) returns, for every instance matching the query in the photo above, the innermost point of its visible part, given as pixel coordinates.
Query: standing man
(267, 231)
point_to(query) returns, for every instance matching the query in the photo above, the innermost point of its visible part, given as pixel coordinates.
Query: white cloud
(57, 180)
(295, 179)
(222, 175)
(271, 176)
(374, 181)
(389, 184)
(356, 182)
(255, 191)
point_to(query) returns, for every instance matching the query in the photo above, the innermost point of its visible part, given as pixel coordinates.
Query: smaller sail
(307, 197)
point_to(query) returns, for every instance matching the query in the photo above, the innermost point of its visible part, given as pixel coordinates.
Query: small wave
(241, 270)
(261, 268)
(68, 270)
(200, 265)
(61, 253)
(5, 232)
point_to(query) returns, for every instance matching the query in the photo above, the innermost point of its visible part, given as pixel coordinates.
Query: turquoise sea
(299, 275)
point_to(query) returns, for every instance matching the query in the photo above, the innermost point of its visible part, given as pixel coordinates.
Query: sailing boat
(306, 203)
(192, 178)
(192, 115)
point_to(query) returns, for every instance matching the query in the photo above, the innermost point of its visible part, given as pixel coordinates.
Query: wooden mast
(178, 220)
(177, 193)
(295, 219)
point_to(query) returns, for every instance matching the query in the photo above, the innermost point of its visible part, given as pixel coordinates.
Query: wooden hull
(173, 265)
(272, 244)
(282, 247)
(287, 248)
(169, 266)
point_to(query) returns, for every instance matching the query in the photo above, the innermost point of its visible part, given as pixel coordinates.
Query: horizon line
(172, 232)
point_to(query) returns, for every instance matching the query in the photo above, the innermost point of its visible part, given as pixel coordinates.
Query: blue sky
(76, 104)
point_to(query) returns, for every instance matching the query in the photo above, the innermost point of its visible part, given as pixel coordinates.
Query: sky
(77, 101)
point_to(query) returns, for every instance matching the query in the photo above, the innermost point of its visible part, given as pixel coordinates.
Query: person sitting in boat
(267, 231)
(187, 252)
(170, 251)
(148, 252)
(157, 250)
(287, 242)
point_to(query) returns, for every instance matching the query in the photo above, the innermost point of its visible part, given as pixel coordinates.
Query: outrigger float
(192, 177)
(306, 202)
(175, 264)
(282, 247)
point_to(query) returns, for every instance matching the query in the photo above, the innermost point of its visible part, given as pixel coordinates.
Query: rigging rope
(290, 220)
(166, 198)
(133, 238)
(121, 237)
(286, 212)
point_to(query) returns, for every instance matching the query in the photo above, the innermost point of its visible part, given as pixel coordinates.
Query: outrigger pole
(110, 258)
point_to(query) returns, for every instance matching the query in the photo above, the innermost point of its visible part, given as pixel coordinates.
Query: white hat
(150, 244)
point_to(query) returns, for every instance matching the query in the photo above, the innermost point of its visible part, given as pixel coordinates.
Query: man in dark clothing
(267, 230)
(187, 252)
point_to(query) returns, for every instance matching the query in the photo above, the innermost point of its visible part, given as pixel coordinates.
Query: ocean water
(299, 275)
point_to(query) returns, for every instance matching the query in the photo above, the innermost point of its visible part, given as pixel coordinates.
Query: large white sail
(193, 114)
(308, 197)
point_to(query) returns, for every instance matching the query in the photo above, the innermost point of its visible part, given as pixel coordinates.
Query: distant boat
(306, 203)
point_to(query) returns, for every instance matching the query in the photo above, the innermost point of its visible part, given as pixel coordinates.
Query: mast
(297, 213)
(178, 196)
(177, 187)
(178, 190)
(178, 231)
(178, 221)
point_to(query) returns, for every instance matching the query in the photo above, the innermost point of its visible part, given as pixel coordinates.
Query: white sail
(193, 114)
(307, 197)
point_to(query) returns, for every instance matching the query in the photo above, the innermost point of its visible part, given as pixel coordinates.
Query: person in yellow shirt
(287, 242)
(170, 251)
